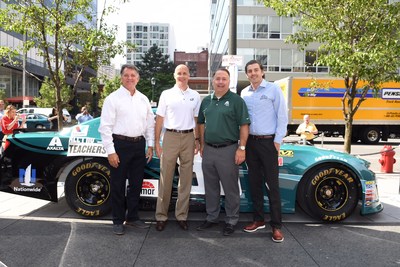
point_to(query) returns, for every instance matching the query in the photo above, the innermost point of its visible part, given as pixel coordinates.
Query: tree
(156, 65)
(60, 33)
(360, 42)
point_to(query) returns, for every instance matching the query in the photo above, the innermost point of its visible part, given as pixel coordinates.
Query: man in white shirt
(127, 123)
(177, 112)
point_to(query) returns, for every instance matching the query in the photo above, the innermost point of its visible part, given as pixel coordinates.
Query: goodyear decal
(149, 188)
(286, 153)
(327, 172)
(329, 157)
(85, 146)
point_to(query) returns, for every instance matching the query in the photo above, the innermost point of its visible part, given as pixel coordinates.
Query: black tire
(371, 135)
(328, 192)
(87, 188)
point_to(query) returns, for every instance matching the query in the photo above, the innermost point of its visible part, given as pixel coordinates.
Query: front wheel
(87, 188)
(328, 192)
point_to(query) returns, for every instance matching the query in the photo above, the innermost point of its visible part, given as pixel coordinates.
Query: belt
(261, 136)
(127, 138)
(222, 144)
(180, 131)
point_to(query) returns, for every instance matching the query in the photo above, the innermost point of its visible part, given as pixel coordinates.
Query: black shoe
(183, 224)
(228, 229)
(138, 224)
(118, 229)
(205, 225)
(160, 226)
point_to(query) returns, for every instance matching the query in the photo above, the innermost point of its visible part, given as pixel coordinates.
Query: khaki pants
(175, 146)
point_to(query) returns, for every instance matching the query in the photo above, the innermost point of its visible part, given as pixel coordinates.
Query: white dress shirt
(126, 115)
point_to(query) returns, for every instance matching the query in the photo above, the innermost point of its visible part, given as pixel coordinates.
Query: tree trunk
(348, 134)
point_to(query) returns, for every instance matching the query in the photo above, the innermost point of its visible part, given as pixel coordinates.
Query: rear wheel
(328, 192)
(371, 135)
(87, 188)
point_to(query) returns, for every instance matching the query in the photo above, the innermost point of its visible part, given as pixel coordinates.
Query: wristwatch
(242, 148)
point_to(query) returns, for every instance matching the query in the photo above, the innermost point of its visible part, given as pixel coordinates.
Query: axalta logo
(149, 188)
(390, 93)
(55, 144)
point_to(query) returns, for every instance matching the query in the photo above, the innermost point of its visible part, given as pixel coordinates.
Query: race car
(326, 184)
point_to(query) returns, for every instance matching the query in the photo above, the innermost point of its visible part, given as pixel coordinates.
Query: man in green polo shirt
(224, 127)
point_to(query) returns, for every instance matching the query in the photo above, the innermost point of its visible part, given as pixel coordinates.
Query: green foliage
(156, 65)
(47, 96)
(67, 43)
(109, 87)
(360, 42)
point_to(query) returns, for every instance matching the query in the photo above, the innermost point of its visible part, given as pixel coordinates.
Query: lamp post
(153, 84)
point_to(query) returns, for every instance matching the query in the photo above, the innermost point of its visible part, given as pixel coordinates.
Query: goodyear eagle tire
(328, 192)
(87, 188)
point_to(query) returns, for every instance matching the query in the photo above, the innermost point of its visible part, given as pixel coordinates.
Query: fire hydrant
(387, 159)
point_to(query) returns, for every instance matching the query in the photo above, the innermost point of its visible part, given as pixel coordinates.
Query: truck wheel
(328, 192)
(371, 135)
(87, 188)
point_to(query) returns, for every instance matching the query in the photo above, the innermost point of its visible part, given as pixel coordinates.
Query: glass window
(262, 56)
(273, 59)
(245, 27)
(247, 54)
(311, 57)
(298, 61)
(286, 60)
(274, 28)
(262, 27)
(287, 27)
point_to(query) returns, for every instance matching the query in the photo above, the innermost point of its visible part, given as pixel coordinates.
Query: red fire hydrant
(387, 159)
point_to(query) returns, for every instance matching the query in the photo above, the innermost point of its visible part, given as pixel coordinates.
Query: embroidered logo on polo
(226, 104)
(263, 97)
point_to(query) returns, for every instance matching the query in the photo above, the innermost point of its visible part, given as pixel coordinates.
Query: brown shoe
(254, 226)
(183, 224)
(277, 235)
(160, 225)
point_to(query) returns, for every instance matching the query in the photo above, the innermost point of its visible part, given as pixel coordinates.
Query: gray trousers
(218, 165)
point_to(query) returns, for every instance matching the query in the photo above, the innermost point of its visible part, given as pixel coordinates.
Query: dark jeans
(262, 162)
(132, 162)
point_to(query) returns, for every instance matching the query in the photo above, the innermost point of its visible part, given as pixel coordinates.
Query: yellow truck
(378, 117)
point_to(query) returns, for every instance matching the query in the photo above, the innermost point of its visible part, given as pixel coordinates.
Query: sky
(189, 19)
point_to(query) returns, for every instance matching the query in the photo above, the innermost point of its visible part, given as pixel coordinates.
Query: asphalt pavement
(40, 233)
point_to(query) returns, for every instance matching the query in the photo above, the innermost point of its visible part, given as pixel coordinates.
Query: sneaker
(228, 229)
(277, 235)
(205, 225)
(138, 224)
(254, 226)
(118, 229)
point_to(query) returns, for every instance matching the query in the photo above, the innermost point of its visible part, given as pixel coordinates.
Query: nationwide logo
(80, 130)
(27, 181)
(55, 144)
(149, 188)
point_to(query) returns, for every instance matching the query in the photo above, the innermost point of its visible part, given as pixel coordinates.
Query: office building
(261, 35)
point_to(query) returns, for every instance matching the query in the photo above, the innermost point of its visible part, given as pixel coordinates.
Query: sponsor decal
(280, 161)
(85, 146)
(371, 193)
(80, 130)
(330, 157)
(331, 92)
(286, 153)
(334, 218)
(55, 144)
(332, 171)
(149, 188)
(27, 181)
(390, 93)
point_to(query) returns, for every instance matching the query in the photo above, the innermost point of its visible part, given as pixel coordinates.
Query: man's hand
(240, 156)
(158, 149)
(113, 159)
(149, 153)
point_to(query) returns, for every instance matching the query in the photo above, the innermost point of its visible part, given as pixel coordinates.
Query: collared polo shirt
(179, 108)
(223, 117)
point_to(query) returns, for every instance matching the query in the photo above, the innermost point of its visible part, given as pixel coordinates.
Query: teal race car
(328, 185)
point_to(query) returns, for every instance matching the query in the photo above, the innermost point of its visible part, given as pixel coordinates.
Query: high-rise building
(144, 36)
(261, 35)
